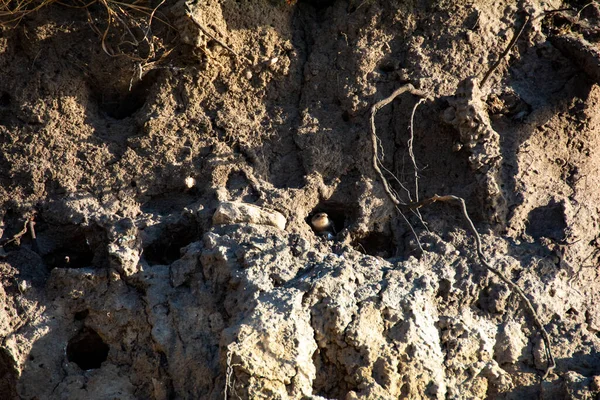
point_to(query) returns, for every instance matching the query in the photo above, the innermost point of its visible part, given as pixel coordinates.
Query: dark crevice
(81, 315)
(5, 99)
(378, 244)
(122, 105)
(87, 349)
(444, 289)
(329, 382)
(167, 247)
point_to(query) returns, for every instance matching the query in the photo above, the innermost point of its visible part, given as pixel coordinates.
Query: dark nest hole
(122, 105)
(378, 244)
(444, 289)
(547, 221)
(81, 315)
(167, 247)
(4, 99)
(340, 214)
(87, 349)
(72, 246)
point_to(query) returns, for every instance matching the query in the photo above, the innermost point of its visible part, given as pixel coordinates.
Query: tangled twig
(410, 147)
(483, 259)
(378, 164)
(411, 153)
(415, 206)
(374, 140)
(28, 226)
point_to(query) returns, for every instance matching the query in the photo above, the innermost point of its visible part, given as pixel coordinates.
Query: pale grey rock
(182, 269)
(510, 343)
(229, 212)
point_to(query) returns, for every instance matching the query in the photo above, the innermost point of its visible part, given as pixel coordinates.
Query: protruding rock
(230, 212)
(510, 343)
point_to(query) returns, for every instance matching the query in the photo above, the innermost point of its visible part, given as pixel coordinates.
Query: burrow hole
(4, 99)
(122, 105)
(378, 244)
(81, 315)
(166, 248)
(87, 349)
(71, 246)
(340, 214)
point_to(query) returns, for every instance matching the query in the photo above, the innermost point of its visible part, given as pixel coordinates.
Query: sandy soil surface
(158, 180)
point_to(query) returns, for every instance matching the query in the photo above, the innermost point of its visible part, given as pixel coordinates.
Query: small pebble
(190, 182)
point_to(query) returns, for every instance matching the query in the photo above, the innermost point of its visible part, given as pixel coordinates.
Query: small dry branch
(378, 165)
(415, 206)
(28, 226)
(375, 140)
(483, 259)
(505, 52)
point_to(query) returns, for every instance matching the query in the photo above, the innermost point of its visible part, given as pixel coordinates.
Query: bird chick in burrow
(323, 225)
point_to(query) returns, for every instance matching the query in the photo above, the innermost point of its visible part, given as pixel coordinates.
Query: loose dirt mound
(116, 150)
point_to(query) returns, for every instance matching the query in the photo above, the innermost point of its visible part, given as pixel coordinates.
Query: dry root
(414, 206)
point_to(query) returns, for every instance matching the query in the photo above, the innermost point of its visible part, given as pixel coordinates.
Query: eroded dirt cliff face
(131, 287)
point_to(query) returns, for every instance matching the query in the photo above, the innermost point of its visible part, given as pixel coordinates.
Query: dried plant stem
(401, 207)
(374, 140)
(505, 52)
(28, 226)
(482, 258)
(413, 159)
